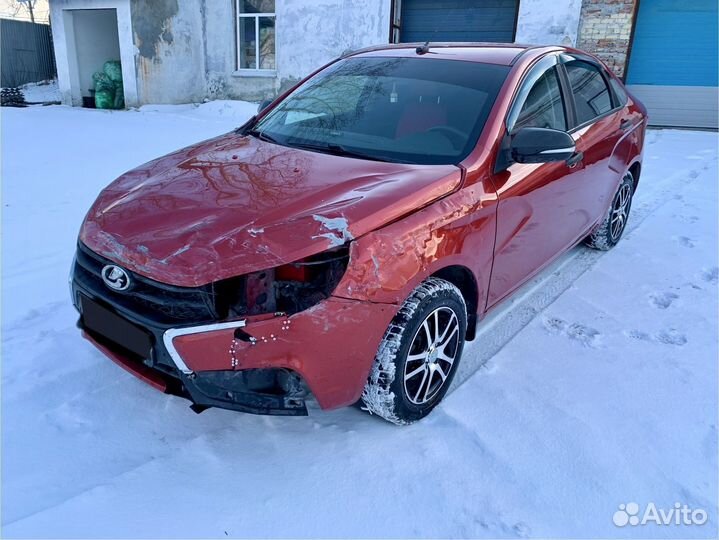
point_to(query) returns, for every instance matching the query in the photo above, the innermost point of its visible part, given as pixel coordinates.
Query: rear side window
(543, 106)
(619, 93)
(591, 95)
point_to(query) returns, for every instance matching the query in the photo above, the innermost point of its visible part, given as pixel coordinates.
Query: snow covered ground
(597, 385)
(41, 92)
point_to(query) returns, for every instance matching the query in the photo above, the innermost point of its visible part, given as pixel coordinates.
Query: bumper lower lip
(201, 389)
(146, 374)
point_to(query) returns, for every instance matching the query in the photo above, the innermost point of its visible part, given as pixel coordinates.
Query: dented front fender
(457, 230)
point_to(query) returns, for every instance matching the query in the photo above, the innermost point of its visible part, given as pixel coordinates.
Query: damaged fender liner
(236, 390)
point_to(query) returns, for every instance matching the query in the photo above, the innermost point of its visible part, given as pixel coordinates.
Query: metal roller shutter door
(458, 20)
(673, 62)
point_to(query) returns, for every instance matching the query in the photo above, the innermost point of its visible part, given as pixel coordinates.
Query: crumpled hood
(234, 204)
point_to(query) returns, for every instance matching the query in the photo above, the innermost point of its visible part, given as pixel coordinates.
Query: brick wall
(604, 30)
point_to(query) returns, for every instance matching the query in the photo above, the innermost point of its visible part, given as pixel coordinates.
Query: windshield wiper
(247, 126)
(262, 136)
(338, 150)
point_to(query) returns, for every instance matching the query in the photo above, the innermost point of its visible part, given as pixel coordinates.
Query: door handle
(625, 124)
(575, 160)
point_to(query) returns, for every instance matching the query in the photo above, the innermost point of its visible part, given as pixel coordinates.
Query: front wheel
(418, 355)
(611, 229)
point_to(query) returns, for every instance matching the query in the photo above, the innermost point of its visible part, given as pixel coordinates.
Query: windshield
(410, 110)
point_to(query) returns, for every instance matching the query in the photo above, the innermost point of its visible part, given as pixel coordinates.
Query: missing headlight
(290, 288)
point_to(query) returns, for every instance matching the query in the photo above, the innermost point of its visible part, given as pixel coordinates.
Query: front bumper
(262, 364)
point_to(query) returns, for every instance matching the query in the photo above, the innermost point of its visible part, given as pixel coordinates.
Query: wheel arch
(463, 278)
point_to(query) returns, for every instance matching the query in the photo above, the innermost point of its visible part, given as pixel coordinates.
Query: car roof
(489, 53)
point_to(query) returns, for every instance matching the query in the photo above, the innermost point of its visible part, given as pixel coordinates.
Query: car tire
(610, 231)
(419, 354)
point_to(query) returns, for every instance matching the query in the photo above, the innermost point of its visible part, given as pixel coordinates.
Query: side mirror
(264, 104)
(541, 145)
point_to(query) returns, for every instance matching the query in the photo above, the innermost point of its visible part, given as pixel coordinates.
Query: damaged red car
(346, 241)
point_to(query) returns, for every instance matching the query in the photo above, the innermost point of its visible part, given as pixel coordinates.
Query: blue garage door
(673, 61)
(458, 20)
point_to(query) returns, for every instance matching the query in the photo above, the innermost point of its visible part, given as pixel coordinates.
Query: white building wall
(179, 51)
(309, 33)
(313, 32)
(169, 37)
(548, 22)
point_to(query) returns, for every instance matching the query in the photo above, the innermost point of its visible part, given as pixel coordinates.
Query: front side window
(591, 95)
(413, 110)
(255, 34)
(543, 105)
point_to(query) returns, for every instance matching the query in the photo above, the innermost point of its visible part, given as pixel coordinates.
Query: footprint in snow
(684, 241)
(710, 275)
(638, 335)
(671, 337)
(685, 218)
(665, 337)
(554, 325)
(693, 174)
(662, 300)
(522, 529)
(584, 335)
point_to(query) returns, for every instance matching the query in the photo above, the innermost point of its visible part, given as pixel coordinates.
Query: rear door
(599, 128)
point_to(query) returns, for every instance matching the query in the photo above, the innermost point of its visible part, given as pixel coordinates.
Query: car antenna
(423, 49)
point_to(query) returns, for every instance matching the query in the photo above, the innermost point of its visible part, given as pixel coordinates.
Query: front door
(537, 214)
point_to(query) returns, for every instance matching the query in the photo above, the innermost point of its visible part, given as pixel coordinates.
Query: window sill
(262, 73)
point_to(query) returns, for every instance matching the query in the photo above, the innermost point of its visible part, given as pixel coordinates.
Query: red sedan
(347, 240)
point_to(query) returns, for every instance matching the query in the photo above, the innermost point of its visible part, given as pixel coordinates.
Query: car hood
(235, 204)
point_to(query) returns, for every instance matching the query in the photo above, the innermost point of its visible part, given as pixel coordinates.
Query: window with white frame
(255, 34)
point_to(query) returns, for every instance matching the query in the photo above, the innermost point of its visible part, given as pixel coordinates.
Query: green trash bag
(119, 95)
(113, 69)
(104, 99)
(104, 91)
(103, 82)
(108, 87)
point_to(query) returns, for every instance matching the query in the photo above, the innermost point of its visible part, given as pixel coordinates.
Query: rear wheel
(611, 229)
(419, 354)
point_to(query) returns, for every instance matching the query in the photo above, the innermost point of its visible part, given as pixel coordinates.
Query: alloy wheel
(620, 211)
(431, 355)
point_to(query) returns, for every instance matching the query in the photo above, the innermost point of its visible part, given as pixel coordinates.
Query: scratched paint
(215, 217)
(338, 228)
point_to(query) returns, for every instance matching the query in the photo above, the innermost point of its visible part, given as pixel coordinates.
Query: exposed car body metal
(234, 205)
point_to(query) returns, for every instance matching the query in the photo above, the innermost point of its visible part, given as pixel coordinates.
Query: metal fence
(26, 53)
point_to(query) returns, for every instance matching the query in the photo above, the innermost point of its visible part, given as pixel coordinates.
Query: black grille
(158, 302)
